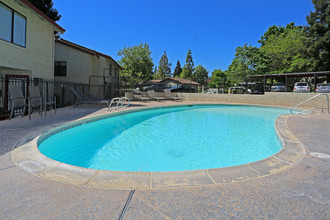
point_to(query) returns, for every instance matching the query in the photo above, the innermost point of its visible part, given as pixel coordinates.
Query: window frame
(12, 26)
(60, 66)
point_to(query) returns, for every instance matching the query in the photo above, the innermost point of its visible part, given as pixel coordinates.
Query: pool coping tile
(28, 158)
(120, 180)
(180, 179)
(233, 174)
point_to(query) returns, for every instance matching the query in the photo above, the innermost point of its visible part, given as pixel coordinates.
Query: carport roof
(289, 75)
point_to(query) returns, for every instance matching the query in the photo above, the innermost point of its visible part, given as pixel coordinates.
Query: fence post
(63, 94)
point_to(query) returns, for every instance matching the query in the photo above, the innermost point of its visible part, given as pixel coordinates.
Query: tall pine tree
(155, 72)
(188, 69)
(319, 35)
(177, 70)
(164, 67)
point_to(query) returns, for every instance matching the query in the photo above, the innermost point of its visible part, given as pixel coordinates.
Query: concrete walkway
(298, 193)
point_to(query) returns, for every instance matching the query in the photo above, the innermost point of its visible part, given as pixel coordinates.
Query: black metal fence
(48, 89)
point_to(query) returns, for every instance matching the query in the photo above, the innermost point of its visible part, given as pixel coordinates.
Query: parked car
(323, 87)
(257, 89)
(301, 87)
(182, 88)
(236, 90)
(210, 91)
(278, 87)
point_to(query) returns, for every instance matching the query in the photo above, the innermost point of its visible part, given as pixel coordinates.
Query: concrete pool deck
(301, 191)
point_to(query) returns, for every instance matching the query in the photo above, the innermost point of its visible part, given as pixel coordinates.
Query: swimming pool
(169, 139)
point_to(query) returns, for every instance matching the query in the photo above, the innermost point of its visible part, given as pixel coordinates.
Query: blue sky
(212, 29)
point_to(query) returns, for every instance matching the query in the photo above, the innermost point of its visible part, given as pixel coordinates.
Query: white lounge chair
(169, 95)
(153, 96)
(137, 95)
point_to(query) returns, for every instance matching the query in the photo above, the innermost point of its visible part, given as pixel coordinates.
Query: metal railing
(308, 101)
(117, 103)
(48, 89)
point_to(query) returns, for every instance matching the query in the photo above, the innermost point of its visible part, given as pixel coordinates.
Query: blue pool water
(170, 139)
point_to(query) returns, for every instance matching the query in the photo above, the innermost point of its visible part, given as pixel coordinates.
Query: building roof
(181, 81)
(155, 80)
(289, 75)
(85, 50)
(34, 8)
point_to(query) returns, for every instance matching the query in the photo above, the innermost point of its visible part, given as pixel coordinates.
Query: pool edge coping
(28, 158)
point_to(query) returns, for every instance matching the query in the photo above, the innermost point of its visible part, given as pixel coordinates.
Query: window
(5, 22)
(110, 70)
(60, 68)
(19, 29)
(116, 72)
(12, 26)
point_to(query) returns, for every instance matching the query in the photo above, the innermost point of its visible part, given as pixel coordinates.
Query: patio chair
(35, 99)
(17, 100)
(35, 96)
(85, 100)
(137, 95)
(153, 96)
(49, 100)
(168, 95)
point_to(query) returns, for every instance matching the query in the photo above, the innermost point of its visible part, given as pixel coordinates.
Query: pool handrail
(308, 101)
(120, 102)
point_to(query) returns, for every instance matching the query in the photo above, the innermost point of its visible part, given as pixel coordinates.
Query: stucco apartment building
(27, 45)
(26, 40)
(78, 64)
(31, 53)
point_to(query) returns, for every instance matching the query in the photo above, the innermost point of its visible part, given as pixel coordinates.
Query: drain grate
(320, 155)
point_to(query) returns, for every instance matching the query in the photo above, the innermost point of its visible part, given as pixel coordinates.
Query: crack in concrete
(122, 214)
(255, 170)
(284, 161)
(152, 207)
(310, 197)
(6, 168)
(215, 183)
(88, 181)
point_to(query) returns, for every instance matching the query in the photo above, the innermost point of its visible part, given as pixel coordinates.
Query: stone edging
(28, 158)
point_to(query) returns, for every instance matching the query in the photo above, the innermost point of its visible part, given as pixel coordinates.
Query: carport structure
(283, 77)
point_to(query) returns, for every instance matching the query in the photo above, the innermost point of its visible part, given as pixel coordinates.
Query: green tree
(248, 61)
(155, 72)
(177, 70)
(276, 31)
(286, 50)
(218, 79)
(46, 6)
(201, 75)
(136, 63)
(188, 69)
(164, 67)
(318, 33)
